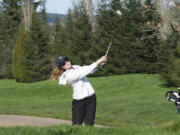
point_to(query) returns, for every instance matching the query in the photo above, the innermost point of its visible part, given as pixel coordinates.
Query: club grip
(102, 64)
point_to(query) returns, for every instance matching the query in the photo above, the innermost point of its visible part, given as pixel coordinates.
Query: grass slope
(132, 103)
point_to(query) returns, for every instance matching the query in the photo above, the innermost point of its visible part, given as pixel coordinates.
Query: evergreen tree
(169, 58)
(43, 10)
(1, 63)
(58, 47)
(78, 35)
(18, 55)
(134, 43)
(9, 24)
(35, 64)
(122, 29)
(150, 37)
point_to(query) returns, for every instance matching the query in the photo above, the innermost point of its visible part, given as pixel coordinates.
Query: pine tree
(134, 43)
(35, 64)
(1, 47)
(123, 31)
(150, 36)
(43, 10)
(9, 25)
(18, 55)
(78, 35)
(58, 47)
(173, 75)
(169, 56)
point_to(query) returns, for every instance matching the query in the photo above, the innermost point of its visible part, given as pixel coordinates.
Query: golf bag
(174, 97)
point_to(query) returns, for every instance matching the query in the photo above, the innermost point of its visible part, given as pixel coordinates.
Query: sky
(61, 6)
(58, 6)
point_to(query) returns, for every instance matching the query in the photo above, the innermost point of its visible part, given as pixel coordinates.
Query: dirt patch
(19, 120)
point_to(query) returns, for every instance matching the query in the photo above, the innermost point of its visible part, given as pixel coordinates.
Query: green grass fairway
(132, 103)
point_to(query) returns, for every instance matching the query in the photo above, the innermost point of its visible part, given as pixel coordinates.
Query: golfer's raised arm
(85, 70)
(101, 60)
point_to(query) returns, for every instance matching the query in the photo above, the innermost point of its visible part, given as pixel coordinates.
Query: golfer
(84, 98)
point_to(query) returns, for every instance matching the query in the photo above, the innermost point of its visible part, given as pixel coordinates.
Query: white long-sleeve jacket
(76, 77)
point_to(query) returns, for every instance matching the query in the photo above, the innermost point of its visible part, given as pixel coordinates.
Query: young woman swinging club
(84, 98)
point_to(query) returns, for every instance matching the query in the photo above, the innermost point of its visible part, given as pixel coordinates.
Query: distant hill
(51, 17)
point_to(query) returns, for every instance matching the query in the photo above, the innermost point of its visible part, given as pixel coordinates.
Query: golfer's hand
(101, 60)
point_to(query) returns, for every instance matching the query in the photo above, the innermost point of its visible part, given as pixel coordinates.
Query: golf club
(106, 53)
(108, 48)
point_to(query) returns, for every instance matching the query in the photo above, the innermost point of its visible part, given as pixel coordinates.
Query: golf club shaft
(106, 53)
(108, 48)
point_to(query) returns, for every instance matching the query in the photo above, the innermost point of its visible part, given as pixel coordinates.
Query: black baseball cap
(61, 60)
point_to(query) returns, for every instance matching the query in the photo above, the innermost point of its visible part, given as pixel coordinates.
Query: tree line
(135, 32)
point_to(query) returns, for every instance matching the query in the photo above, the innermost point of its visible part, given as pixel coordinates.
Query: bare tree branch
(27, 10)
